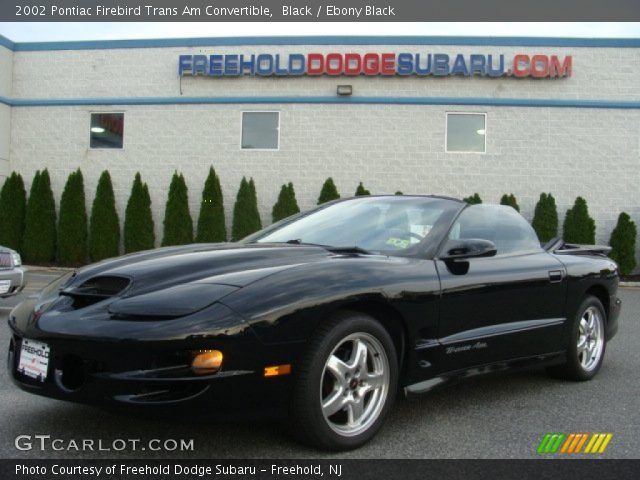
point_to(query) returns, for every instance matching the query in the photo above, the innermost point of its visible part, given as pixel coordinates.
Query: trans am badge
(466, 348)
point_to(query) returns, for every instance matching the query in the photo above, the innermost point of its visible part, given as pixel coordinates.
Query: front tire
(346, 383)
(587, 343)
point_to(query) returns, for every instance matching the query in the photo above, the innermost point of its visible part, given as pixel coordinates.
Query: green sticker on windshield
(398, 242)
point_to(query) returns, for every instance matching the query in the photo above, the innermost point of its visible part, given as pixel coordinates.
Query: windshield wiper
(347, 249)
(297, 241)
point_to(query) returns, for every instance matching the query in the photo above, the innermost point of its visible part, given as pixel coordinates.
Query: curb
(630, 284)
(34, 268)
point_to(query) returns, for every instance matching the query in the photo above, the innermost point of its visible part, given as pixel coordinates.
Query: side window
(502, 225)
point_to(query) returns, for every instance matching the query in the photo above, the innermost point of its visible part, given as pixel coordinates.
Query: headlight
(50, 293)
(17, 261)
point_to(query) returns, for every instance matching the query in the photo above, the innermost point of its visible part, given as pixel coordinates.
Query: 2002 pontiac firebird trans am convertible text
(324, 316)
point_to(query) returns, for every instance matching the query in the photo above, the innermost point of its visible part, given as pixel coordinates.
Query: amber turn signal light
(277, 370)
(206, 361)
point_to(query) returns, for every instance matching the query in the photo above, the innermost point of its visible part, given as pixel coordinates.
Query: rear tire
(346, 383)
(587, 343)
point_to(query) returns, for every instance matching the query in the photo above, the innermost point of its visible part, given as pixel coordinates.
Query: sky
(38, 32)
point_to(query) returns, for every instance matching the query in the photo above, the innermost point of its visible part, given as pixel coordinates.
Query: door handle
(556, 276)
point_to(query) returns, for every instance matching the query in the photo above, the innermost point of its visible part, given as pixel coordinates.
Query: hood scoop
(95, 290)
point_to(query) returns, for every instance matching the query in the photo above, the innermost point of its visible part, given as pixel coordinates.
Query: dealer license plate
(5, 285)
(34, 359)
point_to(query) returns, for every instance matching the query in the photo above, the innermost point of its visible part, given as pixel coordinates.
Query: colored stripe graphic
(543, 443)
(581, 442)
(551, 442)
(566, 445)
(604, 445)
(573, 443)
(576, 444)
(598, 443)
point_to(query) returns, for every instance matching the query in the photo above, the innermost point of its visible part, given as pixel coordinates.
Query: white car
(12, 279)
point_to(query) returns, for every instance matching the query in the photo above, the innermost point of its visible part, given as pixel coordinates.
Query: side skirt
(455, 376)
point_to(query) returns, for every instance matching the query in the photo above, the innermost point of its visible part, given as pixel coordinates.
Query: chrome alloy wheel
(590, 338)
(355, 384)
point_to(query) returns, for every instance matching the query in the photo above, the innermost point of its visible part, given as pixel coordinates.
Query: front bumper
(154, 375)
(16, 279)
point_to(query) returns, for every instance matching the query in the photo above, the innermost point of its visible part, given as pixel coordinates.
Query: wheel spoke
(358, 355)
(586, 355)
(374, 380)
(356, 409)
(337, 368)
(582, 343)
(583, 326)
(587, 315)
(334, 403)
(350, 416)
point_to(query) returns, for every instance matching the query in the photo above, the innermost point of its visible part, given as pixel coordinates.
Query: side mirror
(468, 248)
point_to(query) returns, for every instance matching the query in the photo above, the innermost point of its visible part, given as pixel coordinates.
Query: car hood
(178, 281)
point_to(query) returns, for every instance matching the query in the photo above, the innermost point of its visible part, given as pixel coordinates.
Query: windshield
(377, 224)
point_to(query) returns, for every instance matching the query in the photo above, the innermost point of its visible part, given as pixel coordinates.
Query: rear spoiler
(560, 247)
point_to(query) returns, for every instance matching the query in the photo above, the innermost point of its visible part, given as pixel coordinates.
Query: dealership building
(427, 115)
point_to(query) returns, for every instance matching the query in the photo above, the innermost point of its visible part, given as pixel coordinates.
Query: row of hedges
(30, 226)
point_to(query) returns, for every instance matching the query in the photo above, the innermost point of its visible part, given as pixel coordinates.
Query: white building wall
(6, 81)
(567, 151)
(594, 153)
(598, 73)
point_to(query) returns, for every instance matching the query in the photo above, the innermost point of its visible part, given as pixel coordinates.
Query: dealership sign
(373, 64)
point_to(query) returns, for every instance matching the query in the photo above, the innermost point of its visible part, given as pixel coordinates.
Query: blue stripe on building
(323, 40)
(466, 101)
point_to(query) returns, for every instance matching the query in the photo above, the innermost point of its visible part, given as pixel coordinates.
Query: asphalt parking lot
(503, 416)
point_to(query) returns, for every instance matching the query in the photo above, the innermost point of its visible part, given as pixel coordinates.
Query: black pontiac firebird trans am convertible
(323, 317)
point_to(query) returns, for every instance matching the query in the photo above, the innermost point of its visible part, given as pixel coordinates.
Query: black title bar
(334, 469)
(318, 10)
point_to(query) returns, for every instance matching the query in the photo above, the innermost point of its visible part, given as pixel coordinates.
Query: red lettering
(560, 70)
(352, 64)
(388, 64)
(518, 62)
(315, 64)
(371, 64)
(539, 66)
(334, 64)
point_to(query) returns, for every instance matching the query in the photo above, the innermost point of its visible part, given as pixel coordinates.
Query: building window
(466, 133)
(260, 130)
(107, 130)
